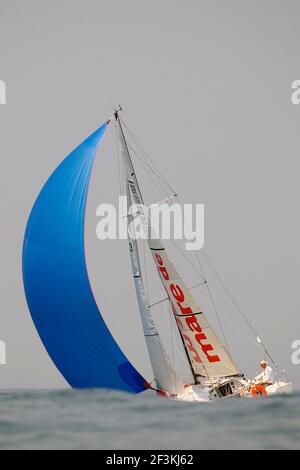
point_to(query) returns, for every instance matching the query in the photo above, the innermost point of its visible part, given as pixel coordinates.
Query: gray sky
(206, 86)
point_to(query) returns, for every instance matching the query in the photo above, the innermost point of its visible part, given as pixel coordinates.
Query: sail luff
(166, 377)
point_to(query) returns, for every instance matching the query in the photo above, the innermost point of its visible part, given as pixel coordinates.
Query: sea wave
(103, 419)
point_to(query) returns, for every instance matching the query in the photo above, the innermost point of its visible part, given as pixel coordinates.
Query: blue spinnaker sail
(56, 282)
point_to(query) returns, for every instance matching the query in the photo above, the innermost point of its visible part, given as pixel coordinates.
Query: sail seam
(188, 315)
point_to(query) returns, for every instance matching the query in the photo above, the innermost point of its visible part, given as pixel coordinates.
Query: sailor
(267, 376)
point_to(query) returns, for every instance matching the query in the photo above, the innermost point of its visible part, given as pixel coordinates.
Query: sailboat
(69, 321)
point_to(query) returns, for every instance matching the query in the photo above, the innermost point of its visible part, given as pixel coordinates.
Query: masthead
(117, 111)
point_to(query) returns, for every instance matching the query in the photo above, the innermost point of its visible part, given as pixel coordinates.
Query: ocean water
(108, 420)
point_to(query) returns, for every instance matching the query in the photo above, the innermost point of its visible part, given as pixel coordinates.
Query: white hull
(195, 394)
(280, 388)
(239, 388)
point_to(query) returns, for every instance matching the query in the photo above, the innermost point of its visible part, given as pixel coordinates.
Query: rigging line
(214, 306)
(161, 177)
(219, 320)
(191, 366)
(145, 271)
(204, 367)
(160, 345)
(181, 251)
(148, 170)
(142, 160)
(236, 304)
(147, 159)
(158, 172)
(187, 259)
(119, 163)
(210, 293)
(188, 357)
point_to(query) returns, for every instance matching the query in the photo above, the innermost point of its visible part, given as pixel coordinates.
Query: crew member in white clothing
(267, 376)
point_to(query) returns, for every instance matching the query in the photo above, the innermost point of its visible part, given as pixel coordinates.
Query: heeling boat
(213, 372)
(65, 312)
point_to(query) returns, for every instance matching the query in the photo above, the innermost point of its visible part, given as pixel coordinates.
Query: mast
(166, 377)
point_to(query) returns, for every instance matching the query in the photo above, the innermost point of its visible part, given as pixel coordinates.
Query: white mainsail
(206, 354)
(167, 380)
